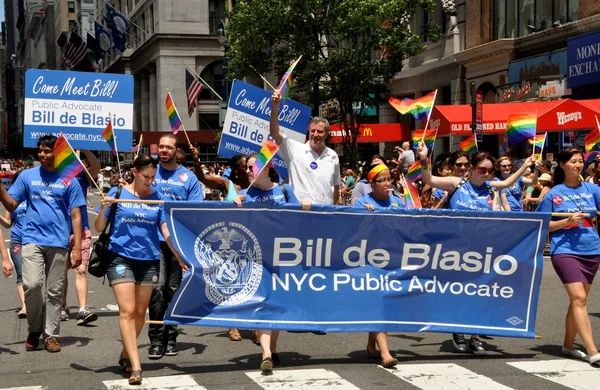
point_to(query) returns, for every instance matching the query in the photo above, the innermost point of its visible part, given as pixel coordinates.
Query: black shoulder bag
(98, 264)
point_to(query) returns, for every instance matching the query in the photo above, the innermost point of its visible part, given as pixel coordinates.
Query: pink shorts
(86, 244)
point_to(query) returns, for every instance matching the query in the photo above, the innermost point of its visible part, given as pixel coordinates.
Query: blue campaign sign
(246, 125)
(78, 104)
(583, 59)
(342, 269)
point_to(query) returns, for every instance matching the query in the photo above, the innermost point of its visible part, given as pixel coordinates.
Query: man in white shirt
(406, 157)
(313, 168)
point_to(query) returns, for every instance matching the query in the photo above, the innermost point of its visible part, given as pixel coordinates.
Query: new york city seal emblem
(231, 262)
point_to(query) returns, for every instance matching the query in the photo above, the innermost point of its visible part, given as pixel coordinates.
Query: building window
(71, 7)
(518, 18)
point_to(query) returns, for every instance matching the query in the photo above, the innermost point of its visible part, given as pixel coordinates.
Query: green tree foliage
(351, 49)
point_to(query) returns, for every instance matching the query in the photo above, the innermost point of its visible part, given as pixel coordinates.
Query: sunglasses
(484, 171)
(461, 165)
(250, 167)
(384, 180)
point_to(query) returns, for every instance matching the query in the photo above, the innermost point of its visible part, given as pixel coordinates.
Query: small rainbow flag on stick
(263, 158)
(428, 138)
(286, 81)
(412, 200)
(469, 145)
(538, 140)
(520, 127)
(174, 118)
(414, 172)
(109, 136)
(592, 140)
(66, 162)
(420, 108)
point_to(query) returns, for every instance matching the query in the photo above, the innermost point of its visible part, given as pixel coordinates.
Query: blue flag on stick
(118, 25)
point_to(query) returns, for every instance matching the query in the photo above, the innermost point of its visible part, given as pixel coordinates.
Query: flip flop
(389, 363)
(135, 378)
(125, 363)
(374, 355)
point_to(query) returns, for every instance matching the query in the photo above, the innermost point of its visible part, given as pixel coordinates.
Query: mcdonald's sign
(374, 132)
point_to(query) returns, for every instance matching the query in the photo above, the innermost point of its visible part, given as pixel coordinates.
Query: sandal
(389, 363)
(125, 363)
(234, 334)
(135, 378)
(373, 355)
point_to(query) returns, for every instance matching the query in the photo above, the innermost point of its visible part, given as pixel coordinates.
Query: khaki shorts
(86, 244)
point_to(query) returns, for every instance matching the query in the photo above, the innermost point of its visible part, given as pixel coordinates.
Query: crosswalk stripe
(27, 388)
(175, 382)
(573, 374)
(434, 376)
(314, 379)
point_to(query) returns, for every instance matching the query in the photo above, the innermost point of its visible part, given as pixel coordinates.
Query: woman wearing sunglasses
(380, 198)
(513, 193)
(574, 247)
(474, 193)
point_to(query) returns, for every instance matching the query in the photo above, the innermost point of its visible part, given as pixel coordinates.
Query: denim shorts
(125, 270)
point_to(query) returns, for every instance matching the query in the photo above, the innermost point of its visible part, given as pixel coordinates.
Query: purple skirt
(576, 268)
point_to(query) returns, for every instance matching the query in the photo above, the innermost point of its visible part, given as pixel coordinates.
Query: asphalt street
(208, 360)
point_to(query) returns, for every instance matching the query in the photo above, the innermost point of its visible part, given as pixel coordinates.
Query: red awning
(374, 132)
(559, 115)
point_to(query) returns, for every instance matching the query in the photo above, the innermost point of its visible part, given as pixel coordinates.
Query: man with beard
(52, 208)
(313, 168)
(175, 183)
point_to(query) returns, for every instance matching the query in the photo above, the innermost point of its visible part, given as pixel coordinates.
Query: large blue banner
(78, 104)
(246, 125)
(342, 269)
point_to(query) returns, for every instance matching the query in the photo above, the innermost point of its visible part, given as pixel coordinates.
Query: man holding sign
(314, 169)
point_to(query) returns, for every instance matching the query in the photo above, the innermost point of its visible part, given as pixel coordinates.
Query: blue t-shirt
(18, 220)
(392, 202)
(574, 239)
(135, 231)
(438, 194)
(470, 197)
(180, 184)
(513, 194)
(272, 196)
(49, 201)
(226, 173)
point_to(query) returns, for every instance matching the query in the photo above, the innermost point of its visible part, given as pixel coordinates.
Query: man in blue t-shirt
(52, 208)
(84, 315)
(175, 183)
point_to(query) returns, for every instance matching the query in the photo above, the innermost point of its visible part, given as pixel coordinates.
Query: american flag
(74, 51)
(193, 88)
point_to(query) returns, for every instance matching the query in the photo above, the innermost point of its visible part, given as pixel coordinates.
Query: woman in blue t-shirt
(264, 189)
(574, 246)
(380, 198)
(513, 193)
(475, 193)
(134, 255)
(15, 222)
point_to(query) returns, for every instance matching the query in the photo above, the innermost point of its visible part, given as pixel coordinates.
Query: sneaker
(84, 317)
(476, 347)
(156, 352)
(52, 344)
(64, 313)
(171, 350)
(32, 342)
(594, 359)
(266, 364)
(458, 340)
(577, 354)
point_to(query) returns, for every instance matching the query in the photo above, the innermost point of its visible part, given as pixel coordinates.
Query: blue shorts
(125, 270)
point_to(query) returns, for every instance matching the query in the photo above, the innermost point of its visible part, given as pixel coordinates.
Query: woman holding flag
(264, 189)
(134, 253)
(513, 193)
(574, 247)
(474, 193)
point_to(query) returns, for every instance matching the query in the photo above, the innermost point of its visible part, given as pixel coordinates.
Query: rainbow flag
(109, 136)
(429, 138)
(412, 200)
(520, 127)
(286, 81)
(66, 163)
(419, 108)
(592, 140)
(135, 148)
(538, 140)
(469, 145)
(174, 117)
(265, 155)
(414, 172)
